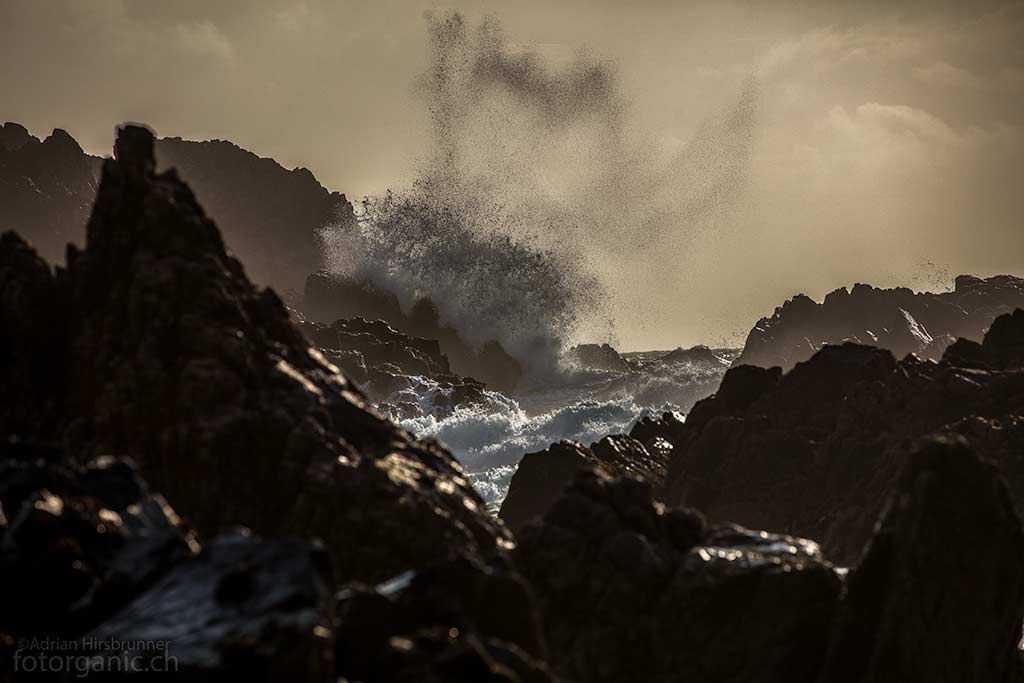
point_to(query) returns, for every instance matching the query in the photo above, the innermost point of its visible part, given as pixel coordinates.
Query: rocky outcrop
(899, 320)
(330, 297)
(91, 557)
(404, 376)
(174, 356)
(630, 590)
(939, 594)
(541, 478)
(598, 357)
(457, 620)
(269, 215)
(46, 188)
(816, 451)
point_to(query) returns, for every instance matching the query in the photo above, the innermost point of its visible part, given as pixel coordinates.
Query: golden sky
(886, 139)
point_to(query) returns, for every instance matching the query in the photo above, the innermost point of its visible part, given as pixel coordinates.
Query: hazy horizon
(759, 149)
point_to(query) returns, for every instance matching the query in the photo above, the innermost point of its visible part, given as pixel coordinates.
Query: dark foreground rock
(174, 356)
(541, 478)
(630, 590)
(454, 621)
(939, 594)
(91, 556)
(896, 319)
(816, 452)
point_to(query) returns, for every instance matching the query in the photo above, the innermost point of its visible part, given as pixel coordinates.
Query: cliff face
(168, 352)
(899, 320)
(268, 214)
(46, 188)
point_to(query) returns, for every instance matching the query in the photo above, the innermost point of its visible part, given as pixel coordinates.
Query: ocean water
(583, 405)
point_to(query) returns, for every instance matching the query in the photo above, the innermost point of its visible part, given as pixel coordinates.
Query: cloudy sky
(887, 144)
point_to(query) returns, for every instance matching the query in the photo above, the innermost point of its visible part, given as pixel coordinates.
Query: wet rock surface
(816, 451)
(598, 357)
(457, 620)
(939, 594)
(403, 376)
(331, 297)
(173, 355)
(630, 590)
(152, 343)
(899, 319)
(542, 477)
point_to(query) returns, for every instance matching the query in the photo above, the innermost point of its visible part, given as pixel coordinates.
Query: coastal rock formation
(598, 357)
(899, 320)
(90, 554)
(174, 356)
(816, 451)
(939, 594)
(46, 188)
(330, 297)
(475, 620)
(404, 376)
(269, 215)
(630, 590)
(541, 477)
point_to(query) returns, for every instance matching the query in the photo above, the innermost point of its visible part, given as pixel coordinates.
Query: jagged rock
(14, 136)
(939, 595)
(896, 319)
(598, 357)
(1004, 343)
(404, 376)
(93, 558)
(816, 452)
(630, 590)
(541, 477)
(330, 297)
(81, 540)
(174, 356)
(455, 605)
(46, 188)
(269, 215)
(242, 608)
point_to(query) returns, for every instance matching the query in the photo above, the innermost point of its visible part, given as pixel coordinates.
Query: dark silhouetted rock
(101, 576)
(598, 357)
(1004, 342)
(630, 590)
(270, 216)
(81, 540)
(46, 188)
(817, 452)
(542, 477)
(331, 297)
(173, 355)
(896, 319)
(243, 608)
(939, 595)
(404, 376)
(461, 607)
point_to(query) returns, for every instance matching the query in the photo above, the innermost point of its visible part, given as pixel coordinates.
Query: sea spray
(537, 215)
